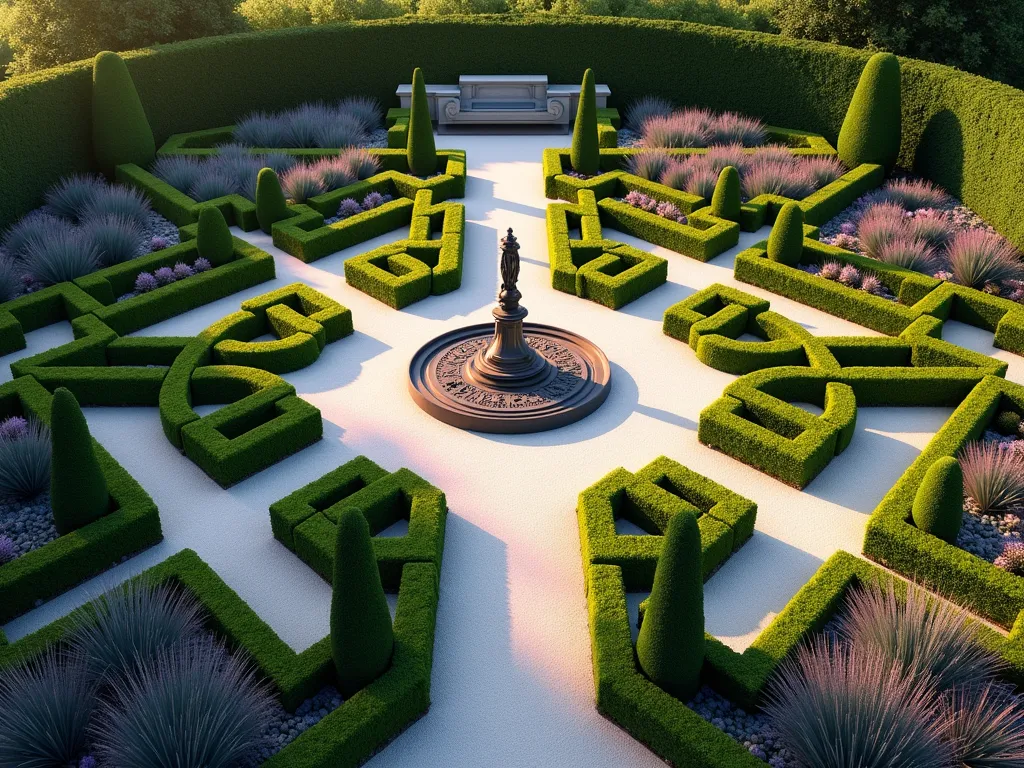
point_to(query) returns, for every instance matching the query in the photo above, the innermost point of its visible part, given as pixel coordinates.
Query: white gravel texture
(512, 679)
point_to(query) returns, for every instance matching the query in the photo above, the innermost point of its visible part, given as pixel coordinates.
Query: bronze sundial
(512, 376)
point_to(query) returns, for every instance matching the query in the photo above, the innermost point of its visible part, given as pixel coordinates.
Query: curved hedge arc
(959, 130)
(755, 420)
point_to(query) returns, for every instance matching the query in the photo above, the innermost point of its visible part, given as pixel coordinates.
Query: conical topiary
(419, 148)
(361, 636)
(214, 239)
(270, 202)
(786, 241)
(725, 202)
(939, 503)
(872, 128)
(585, 155)
(670, 647)
(120, 130)
(78, 490)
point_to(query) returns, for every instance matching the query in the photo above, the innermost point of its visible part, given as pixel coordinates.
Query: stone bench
(502, 100)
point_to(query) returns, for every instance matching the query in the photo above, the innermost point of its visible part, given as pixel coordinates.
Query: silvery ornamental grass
(25, 461)
(45, 707)
(130, 625)
(993, 476)
(985, 724)
(196, 706)
(836, 707)
(978, 257)
(921, 636)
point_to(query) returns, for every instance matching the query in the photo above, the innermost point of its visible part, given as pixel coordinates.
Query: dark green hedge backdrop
(962, 131)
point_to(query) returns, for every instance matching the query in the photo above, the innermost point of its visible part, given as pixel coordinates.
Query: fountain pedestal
(513, 376)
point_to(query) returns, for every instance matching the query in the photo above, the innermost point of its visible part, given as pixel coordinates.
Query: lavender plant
(1011, 559)
(993, 476)
(25, 461)
(349, 207)
(8, 550)
(145, 282)
(45, 707)
(182, 271)
(146, 726)
(165, 276)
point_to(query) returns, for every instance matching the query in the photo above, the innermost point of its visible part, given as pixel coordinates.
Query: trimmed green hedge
(132, 523)
(350, 734)
(755, 420)
(604, 271)
(408, 270)
(305, 520)
(649, 499)
(918, 295)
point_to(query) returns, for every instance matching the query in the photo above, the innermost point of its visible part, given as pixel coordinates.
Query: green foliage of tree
(939, 502)
(449, 7)
(982, 36)
(786, 241)
(872, 128)
(330, 11)
(670, 647)
(362, 638)
(120, 130)
(270, 203)
(275, 14)
(50, 32)
(213, 240)
(725, 202)
(420, 150)
(78, 490)
(586, 152)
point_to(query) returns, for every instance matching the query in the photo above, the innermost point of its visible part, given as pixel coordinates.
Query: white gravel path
(512, 680)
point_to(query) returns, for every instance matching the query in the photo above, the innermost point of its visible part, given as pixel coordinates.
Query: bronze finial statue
(509, 376)
(510, 295)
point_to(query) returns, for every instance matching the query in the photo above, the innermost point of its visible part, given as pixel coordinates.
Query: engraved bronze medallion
(511, 376)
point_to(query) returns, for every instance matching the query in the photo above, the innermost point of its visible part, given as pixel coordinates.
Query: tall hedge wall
(960, 130)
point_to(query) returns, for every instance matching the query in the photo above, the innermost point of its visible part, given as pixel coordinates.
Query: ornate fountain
(512, 376)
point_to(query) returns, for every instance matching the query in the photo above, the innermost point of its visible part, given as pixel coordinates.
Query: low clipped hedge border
(305, 520)
(133, 523)
(755, 420)
(97, 293)
(604, 271)
(240, 211)
(649, 499)
(403, 272)
(918, 295)
(365, 722)
(264, 420)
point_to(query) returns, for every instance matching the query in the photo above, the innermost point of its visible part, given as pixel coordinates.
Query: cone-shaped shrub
(361, 634)
(786, 241)
(939, 503)
(586, 153)
(725, 202)
(214, 239)
(270, 202)
(120, 130)
(78, 490)
(671, 642)
(419, 148)
(872, 128)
